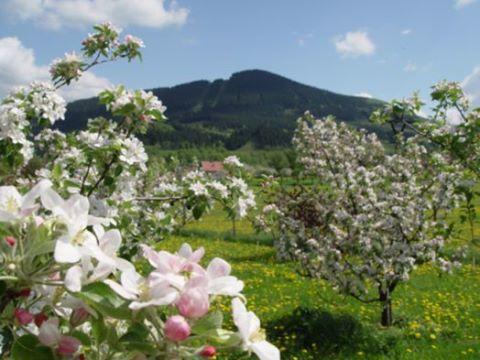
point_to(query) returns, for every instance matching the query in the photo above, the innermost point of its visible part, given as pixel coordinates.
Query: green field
(437, 315)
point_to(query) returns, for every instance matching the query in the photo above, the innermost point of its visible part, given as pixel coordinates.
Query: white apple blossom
(253, 336)
(133, 152)
(14, 206)
(233, 160)
(130, 39)
(198, 189)
(143, 292)
(74, 215)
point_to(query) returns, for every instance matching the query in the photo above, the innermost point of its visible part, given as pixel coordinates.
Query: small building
(213, 167)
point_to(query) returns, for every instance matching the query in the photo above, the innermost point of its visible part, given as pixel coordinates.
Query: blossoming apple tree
(65, 201)
(183, 196)
(358, 217)
(452, 130)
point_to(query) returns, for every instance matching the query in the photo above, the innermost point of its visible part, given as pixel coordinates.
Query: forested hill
(252, 107)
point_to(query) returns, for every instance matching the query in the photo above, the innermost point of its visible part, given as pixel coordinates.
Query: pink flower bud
(177, 328)
(79, 316)
(23, 293)
(208, 351)
(193, 303)
(39, 319)
(10, 240)
(68, 345)
(23, 316)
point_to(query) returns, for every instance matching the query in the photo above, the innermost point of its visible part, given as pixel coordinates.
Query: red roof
(212, 166)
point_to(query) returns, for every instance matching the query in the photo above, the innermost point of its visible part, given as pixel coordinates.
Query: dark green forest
(254, 109)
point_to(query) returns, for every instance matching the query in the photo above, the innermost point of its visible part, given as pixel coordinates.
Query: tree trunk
(386, 301)
(234, 227)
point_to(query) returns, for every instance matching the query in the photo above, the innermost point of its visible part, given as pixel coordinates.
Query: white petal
(152, 256)
(73, 279)
(30, 197)
(120, 290)
(130, 280)
(49, 335)
(6, 216)
(197, 255)
(50, 199)
(95, 251)
(123, 265)
(265, 351)
(238, 309)
(101, 272)
(177, 281)
(225, 285)
(185, 251)
(66, 252)
(168, 299)
(218, 267)
(110, 242)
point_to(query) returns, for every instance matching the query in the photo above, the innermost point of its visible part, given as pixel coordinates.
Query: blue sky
(383, 48)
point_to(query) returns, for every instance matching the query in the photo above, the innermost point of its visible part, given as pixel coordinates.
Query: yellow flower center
(144, 291)
(79, 239)
(11, 206)
(258, 335)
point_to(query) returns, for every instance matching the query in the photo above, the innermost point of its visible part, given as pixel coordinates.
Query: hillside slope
(253, 106)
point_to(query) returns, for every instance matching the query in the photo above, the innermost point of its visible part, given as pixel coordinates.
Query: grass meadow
(437, 316)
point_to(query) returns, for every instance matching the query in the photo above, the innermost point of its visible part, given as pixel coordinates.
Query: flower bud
(68, 345)
(208, 351)
(23, 316)
(10, 240)
(193, 303)
(39, 319)
(177, 328)
(23, 293)
(79, 316)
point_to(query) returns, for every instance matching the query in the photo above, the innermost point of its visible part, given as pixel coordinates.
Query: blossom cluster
(139, 105)
(62, 267)
(452, 130)
(38, 104)
(369, 217)
(101, 46)
(70, 286)
(196, 191)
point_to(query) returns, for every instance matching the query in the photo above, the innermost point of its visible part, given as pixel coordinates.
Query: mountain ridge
(251, 106)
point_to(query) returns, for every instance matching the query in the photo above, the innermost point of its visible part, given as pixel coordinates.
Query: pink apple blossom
(177, 328)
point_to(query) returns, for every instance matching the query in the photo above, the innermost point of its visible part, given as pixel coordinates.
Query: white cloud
(89, 85)
(406, 31)
(18, 67)
(462, 3)
(410, 67)
(354, 44)
(56, 14)
(471, 85)
(364, 95)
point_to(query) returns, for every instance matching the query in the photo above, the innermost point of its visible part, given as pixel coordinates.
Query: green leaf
(84, 338)
(221, 337)
(199, 209)
(135, 338)
(57, 171)
(28, 347)
(101, 297)
(212, 321)
(99, 330)
(118, 170)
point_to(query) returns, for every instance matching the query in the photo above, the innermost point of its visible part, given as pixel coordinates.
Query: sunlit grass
(437, 315)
